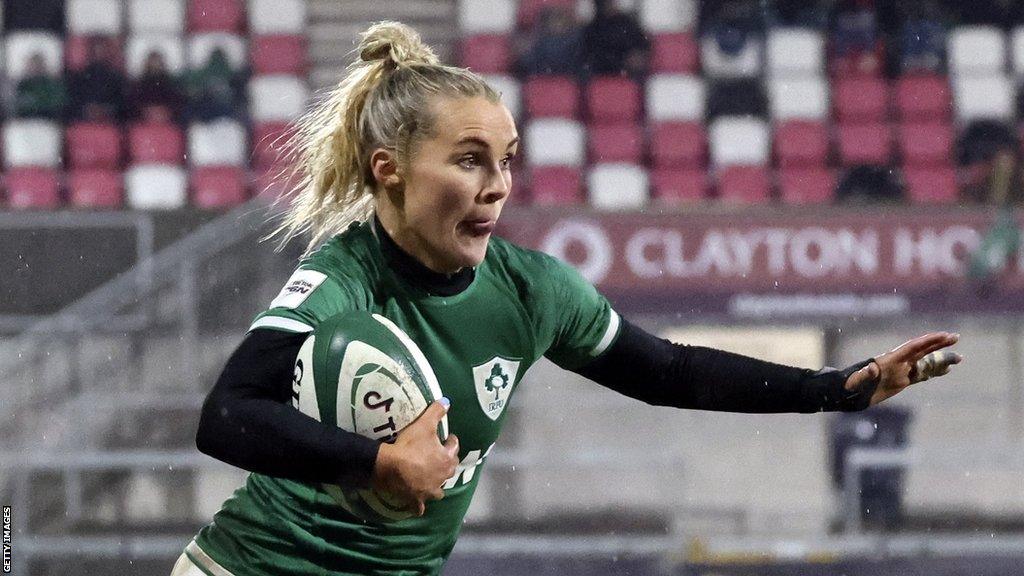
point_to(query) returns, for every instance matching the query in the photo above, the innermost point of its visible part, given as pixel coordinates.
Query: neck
(415, 272)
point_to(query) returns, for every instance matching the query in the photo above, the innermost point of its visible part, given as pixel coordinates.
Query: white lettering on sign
(930, 252)
(589, 236)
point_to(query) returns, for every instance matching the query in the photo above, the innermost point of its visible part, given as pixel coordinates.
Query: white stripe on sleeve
(609, 334)
(281, 324)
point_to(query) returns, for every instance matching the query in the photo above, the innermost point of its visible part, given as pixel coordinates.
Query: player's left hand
(913, 361)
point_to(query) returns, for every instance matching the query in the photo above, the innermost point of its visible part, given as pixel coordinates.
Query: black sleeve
(661, 373)
(247, 420)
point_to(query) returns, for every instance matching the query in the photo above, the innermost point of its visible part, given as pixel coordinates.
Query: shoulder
(349, 259)
(535, 273)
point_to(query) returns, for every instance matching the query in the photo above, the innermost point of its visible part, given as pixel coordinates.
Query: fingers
(451, 445)
(923, 345)
(935, 364)
(432, 416)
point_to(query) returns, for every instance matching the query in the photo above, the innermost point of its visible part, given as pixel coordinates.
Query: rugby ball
(362, 373)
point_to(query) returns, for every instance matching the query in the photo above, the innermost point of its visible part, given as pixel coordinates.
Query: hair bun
(394, 43)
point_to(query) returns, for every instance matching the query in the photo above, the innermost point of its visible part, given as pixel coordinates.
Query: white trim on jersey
(203, 560)
(609, 335)
(281, 324)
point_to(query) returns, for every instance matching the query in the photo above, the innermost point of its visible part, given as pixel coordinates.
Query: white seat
(988, 97)
(32, 143)
(616, 186)
(200, 46)
(1017, 50)
(555, 142)
(20, 46)
(277, 97)
(675, 97)
(798, 98)
(217, 143)
(155, 187)
(738, 140)
(487, 16)
(509, 89)
(718, 64)
(139, 47)
(796, 51)
(102, 17)
(977, 50)
(668, 15)
(156, 16)
(277, 16)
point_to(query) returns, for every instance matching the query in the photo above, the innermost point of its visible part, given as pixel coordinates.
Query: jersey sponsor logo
(494, 380)
(466, 469)
(298, 288)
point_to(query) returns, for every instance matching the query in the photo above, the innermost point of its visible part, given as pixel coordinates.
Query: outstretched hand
(913, 361)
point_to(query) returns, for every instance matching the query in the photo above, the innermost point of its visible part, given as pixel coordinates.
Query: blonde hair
(381, 103)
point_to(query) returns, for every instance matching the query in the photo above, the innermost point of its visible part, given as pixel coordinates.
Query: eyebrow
(481, 142)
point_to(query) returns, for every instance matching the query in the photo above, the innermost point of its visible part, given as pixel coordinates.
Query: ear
(384, 166)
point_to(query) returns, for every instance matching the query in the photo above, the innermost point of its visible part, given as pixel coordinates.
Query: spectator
(855, 39)
(45, 15)
(215, 90)
(39, 94)
(869, 185)
(922, 38)
(97, 90)
(988, 155)
(155, 96)
(555, 48)
(729, 39)
(613, 42)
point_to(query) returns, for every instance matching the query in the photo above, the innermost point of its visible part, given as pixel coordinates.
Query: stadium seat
(486, 16)
(486, 53)
(676, 145)
(529, 10)
(744, 185)
(21, 45)
(93, 145)
(798, 98)
(32, 189)
(156, 143)
(931, 185)
(719, 64)
(217, 143)
(551, 97)
(668, 15)
(807, 186)
(1017, 51)
(861, 99)
(268, 143)
(612, 98)
(976, 50)
(99, 17)
(140, 46)
(795, 52)
(674, 52)
(217, 187)
(76, 52)
(32, 143)
(555, 142)
(617, 186)
(923, 97)
(156, 17)
(509, 89)
(864, 144)
(285, 54)
(738, 140)
(617, 142)
(983, 97)
(215, 15)
(926, 143)
(675, 97)
(801, 143)
(675, 185)
(277, 17)
(155, 187)
(277, 97)
(556, 185)
(95, 188)
(200, 46)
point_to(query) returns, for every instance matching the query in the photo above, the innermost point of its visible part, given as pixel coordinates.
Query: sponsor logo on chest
(494, 380)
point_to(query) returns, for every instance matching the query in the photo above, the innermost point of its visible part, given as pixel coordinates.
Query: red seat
(923, 98)
(619, 142)
(76, 52)
(674, 185)
(95, 188)
(861, 99)
(801, 143)
(926, 143)
(486, 53)
(931, 185)
(529, 10)
(679, 145)
(556, 185)
(610, 98)
(32, 188)
(744, 184)
(283, 54)
(156, 142)
(218, 186)
(269, 141)
(215, 15)
(674, 53)
(865, 144)
(807, 185)
(551, 97)
(93, 145)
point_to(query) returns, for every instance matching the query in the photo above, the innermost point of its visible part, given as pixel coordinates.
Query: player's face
(456, 183)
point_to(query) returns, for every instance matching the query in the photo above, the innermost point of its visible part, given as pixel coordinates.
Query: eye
(507, 161)
(469, 161)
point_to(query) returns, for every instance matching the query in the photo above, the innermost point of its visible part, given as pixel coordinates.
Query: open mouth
(478, 228)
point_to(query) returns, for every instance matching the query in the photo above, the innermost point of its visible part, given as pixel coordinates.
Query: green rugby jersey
(520, 305)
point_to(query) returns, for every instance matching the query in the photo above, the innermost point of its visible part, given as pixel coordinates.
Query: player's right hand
(417, 464)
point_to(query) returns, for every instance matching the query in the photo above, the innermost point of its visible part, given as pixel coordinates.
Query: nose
(499, 184)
